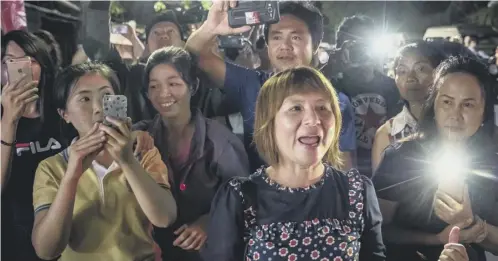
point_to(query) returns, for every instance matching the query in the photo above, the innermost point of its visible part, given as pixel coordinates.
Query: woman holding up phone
(422, 198)
(28, 135)
(96, 200)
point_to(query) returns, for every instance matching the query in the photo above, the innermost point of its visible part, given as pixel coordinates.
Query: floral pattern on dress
(317, 239)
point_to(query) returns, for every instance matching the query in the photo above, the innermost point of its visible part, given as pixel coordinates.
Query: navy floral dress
(335, 219)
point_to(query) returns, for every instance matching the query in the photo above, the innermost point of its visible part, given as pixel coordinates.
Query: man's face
(164, 34)
(289, 43)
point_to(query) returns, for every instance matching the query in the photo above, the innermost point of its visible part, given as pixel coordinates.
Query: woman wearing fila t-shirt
(27, 138)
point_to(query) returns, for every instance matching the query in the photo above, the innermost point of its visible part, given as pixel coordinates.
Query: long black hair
(37, 49)
(66, 81)
(459, 64)
(55, 49)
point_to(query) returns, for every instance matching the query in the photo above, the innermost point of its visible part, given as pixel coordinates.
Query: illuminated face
(84, 104)
(289, 43)
(459, 106)
(304, 128)
(168, 92)
(413, 77)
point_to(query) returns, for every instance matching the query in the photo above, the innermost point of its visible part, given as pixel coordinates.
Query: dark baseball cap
(168, 16)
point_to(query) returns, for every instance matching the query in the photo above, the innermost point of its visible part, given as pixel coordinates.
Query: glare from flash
(384, 43)
(449, 165)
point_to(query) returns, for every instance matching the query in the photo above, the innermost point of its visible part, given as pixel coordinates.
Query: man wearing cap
(163, 31)
(291, 42)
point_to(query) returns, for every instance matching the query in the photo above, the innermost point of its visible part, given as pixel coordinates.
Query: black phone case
(231, 41)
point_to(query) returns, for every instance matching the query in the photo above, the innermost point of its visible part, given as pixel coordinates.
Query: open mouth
(167, 104)
(285, 58)
(311, 141)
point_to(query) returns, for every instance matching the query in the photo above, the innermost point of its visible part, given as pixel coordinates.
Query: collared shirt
(108, 223)
(402, 125)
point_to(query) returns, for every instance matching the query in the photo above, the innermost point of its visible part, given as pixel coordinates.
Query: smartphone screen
(119, 29)
(18, 68)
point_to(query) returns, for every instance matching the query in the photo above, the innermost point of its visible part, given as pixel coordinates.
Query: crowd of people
(336, 162)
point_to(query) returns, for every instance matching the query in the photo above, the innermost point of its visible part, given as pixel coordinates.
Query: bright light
(449, 165)
(385, 44)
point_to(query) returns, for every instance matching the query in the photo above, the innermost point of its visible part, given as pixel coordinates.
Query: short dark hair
(65, 82)
(307, 12)
(355, 27)
(177, 57)
(421, 48)
(35, 48)
(459, 64)
(55, 50)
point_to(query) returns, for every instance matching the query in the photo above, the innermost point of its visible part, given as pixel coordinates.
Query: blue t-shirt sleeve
(347, 140)
(242, 85)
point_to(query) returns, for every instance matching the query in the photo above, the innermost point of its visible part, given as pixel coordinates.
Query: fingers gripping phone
(17, 68)
(115, 106)
(254, 13)
(454, 189)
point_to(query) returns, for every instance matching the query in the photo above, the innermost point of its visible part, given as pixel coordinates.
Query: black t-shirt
(404, 177)
(34, 144)
(373, 103)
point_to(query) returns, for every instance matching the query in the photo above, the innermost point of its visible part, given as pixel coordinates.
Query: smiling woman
(201, 152)
(301, 205)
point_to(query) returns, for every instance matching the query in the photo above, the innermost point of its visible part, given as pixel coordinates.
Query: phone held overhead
(254, 13)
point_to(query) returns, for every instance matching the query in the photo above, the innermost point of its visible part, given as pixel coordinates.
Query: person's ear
(195, 86)
(63, 115)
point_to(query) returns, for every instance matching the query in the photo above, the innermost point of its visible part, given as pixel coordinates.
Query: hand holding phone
(254, 13)
(117, 127)
(449, 210)
(217, 20)
(17, 97)
(119, 29)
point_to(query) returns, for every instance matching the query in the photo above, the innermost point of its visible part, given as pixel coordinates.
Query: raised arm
(201, 40)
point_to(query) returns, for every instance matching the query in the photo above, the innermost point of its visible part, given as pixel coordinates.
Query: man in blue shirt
(291, 42)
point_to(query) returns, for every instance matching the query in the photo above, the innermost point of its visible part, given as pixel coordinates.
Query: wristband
(8, 144)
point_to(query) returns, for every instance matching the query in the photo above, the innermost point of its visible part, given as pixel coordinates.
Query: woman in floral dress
(301, 207)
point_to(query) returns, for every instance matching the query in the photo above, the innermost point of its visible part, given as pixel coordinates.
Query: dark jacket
(215, 155)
